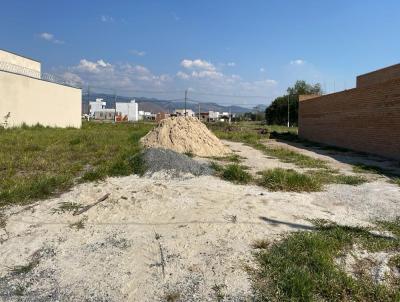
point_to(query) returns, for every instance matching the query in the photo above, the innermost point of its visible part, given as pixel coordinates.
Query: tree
(277, 112)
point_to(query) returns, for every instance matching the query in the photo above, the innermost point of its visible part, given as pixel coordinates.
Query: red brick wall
(378, 76)
(364, 119)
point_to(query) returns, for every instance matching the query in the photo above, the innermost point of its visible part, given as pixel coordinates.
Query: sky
(237, 51)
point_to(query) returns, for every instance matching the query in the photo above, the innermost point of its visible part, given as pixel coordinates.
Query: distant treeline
(277, 112)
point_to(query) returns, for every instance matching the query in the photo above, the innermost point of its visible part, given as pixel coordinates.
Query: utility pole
(185, 101)
(230, 113)
(199, 111)
(115, 105)
(288, 111)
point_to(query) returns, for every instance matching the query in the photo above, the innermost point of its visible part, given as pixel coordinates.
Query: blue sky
(254, 48)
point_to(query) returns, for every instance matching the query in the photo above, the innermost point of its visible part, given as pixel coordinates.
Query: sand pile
(185, 135)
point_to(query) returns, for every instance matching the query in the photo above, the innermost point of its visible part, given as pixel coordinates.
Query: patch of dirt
(185, 135)
(360, 263)
(157, 235)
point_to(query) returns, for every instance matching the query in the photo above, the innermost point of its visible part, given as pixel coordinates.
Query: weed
(288, 180)
(327, 177)
(236, 173)
(189, 153)
(172, 296)
(397, 181)
(3, 220)
(19, 290)
(218, 291)
(302, 267)
(216, 167)
(233, 158)
(79, 225)
(67, 207)
(395, 262)
(260, 244)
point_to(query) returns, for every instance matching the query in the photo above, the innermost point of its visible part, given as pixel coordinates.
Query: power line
(229, 95)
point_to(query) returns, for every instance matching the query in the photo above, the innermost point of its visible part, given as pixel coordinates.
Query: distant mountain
(157, 105)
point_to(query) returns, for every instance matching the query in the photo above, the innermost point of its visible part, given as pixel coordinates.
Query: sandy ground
(156, 236)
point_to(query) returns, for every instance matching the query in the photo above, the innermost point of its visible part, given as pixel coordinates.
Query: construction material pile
(176, 164)
(185, 135)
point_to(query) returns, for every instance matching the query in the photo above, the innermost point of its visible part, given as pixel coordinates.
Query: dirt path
(156, 236)
(341, 160)
(255, 159)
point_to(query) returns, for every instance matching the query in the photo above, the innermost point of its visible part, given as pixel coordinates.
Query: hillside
(157, 105)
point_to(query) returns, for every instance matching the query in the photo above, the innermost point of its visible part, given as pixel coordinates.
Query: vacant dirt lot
(156, 238)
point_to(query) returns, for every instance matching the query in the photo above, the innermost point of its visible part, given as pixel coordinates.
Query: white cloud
(262, 69)
(210, 74)
(182, 75)
(197, 64)
(297, 62)
(231, 64)
(139, 53)
(105, 18)
(50, 37)
(72, 78)
(88, 66)
(47, 36)
(125, 77)
(200, 75)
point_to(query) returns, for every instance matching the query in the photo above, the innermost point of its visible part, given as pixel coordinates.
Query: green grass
(232, 172)
(38, 162)
(288, 180)
(396, 181)
(302, 267)
(279, 179)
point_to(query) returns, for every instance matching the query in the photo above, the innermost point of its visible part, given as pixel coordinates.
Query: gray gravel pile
(175, 163)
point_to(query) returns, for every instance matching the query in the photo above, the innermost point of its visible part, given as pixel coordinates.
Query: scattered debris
(185, 135)
(162, 259)
(88, 207)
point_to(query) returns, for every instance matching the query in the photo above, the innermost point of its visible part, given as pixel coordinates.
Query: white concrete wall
(33, 67)
(129, 110)
(133, 115)
(32, 101)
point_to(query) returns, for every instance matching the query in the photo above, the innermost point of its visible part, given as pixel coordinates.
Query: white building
(96, 105)
(128, 111)
(213, 115)
(181, 112)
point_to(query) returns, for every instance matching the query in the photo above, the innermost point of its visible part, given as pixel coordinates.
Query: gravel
(175, 163)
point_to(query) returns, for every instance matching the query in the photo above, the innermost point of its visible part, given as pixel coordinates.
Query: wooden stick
(88, 207)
